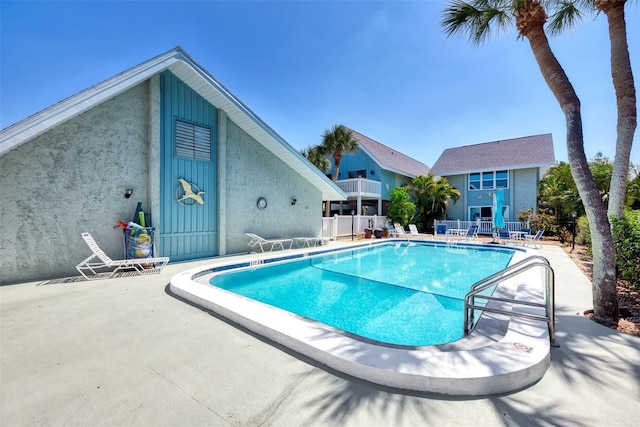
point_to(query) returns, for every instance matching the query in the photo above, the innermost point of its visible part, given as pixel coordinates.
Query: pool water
(403, 293)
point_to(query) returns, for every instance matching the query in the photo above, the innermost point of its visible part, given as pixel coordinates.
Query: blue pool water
(404, 294)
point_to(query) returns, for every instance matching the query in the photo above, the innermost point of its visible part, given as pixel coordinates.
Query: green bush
(626, 241)
(400, 207)
(544, 220)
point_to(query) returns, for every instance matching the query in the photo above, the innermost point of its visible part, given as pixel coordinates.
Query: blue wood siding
(187, 232)
(356, 161)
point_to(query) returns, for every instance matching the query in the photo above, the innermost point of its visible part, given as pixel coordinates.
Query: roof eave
(179, 62)
(512, 167)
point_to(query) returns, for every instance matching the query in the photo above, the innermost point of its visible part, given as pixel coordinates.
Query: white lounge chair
(311, 241)
(400, 231)
(259, 242)
(102, 262)
(413, 232)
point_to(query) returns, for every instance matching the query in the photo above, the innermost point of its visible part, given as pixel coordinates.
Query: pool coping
(512, 361)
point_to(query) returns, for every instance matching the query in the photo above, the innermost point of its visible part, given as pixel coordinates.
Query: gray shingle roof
(517, 153)
(390, 159)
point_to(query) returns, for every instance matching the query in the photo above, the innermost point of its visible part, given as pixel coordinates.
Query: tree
(335, 142)
(478, 19)
(432, 196)
(633, 189)
(316, 157)
(569, 12)
(400, 207)
(558, 191)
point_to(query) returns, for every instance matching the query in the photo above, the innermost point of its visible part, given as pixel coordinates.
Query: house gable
(192, 74)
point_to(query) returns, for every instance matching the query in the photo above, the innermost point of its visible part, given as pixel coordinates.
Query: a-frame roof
(185, 68)
(389, 159)
(516, 153)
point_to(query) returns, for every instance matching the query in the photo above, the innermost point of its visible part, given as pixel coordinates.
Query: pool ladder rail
(505, 274)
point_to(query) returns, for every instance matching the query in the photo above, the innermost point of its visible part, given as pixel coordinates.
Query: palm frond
(477, 19)
(566, 14)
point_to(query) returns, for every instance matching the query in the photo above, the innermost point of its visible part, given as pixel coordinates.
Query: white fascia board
(386, 168)
(510, 168)
(177, 61)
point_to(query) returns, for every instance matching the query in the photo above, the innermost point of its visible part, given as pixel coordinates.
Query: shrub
(566, 238)
(400, 207)
(626, 241)
(544, 220)
(583, 233)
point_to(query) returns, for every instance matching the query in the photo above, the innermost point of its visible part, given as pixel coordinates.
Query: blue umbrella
(498, 202)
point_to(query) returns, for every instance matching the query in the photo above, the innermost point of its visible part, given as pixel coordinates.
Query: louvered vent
(192, 141)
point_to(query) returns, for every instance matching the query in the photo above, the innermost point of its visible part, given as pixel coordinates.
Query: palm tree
(569, 12)
(421, 188)
(317, 158)
(432, 196)
(558, 190)
(335, 142)
(478, 19)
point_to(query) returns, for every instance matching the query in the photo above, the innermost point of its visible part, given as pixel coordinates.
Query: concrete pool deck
(123, 351)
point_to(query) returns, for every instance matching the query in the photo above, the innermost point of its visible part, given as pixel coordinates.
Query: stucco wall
(251, 172)
(69, 180)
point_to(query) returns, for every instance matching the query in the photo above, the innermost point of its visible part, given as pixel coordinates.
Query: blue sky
(383, 68)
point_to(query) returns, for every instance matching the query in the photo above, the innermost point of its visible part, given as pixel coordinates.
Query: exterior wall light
(293, 201)
(128, 192)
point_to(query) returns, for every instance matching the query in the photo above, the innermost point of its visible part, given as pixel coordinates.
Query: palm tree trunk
(625, 98)
(605, 296)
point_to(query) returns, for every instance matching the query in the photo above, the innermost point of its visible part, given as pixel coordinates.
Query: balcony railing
(360, 187)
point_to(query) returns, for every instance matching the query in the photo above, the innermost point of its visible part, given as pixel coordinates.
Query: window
(485, 213)
(488, 180)
(193, 141)
(502, 179)
(474, 181)
(358, 174)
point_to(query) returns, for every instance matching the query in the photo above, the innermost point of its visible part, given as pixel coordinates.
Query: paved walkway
(124, 352)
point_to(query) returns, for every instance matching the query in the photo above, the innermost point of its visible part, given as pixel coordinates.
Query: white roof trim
(497, 168)
(184, 67)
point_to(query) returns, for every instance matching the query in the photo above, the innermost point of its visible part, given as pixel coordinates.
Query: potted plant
(385, 231)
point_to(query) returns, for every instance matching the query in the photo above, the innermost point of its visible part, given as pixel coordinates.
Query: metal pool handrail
(507, 273)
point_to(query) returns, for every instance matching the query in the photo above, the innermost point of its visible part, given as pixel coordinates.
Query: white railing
(484, 227)
(341, 225)
(360, 186)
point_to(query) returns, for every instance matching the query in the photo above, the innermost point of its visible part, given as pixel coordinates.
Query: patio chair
(400, 231)
(413, 232)
(441, 230)
(503, 235)
(135, 265)
(392, 231)
(533, 239)
(471, 234)
(311, 241)
(259, 242)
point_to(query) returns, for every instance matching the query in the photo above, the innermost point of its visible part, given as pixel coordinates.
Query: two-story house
(514, 165)
(369, 174)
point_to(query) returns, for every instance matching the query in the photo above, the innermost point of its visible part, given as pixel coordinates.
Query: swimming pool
(398, 293)
(500, 355)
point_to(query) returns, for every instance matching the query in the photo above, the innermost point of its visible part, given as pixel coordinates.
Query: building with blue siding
(369, 174)
(514, 165)
(162, 129)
